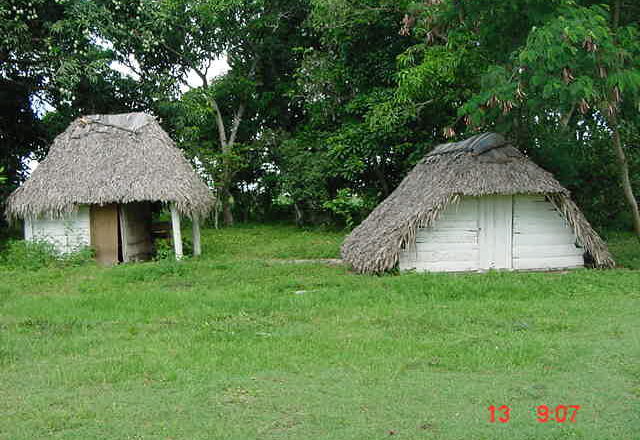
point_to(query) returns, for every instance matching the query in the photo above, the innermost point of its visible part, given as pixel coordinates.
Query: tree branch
(202, 76)
(564, 120)
(189, 64)
(625, 180)
(222, 135)
(237, 118)
(127, 62)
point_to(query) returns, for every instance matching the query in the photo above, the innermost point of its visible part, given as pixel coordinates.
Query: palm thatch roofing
(104, 159)
(485, 164)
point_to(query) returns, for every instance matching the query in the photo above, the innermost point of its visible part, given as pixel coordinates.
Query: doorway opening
(121, 233)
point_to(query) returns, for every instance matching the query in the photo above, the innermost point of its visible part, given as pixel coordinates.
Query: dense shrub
(163, 248)
(349, 208)
(20, 254)
(33, 255)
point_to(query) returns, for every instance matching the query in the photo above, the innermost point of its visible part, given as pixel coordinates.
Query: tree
(351, 139)
(164, 42)
(519, 64)
(581, 64)
(49, 62)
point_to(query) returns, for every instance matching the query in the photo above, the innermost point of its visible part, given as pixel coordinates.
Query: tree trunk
(623, 165)
(225, 196)
(227, 145)
(616, 13)
(299, 215)
(227, 214)
(460, 8)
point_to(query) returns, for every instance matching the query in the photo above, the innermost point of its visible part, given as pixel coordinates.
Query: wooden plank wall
(542, 239)
(501, 232)
(450, 245)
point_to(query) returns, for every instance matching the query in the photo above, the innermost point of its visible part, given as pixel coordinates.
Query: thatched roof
(486, 164)
(103, 159)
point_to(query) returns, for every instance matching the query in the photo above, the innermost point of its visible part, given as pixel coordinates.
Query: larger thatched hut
(98, 182)
(475, 205)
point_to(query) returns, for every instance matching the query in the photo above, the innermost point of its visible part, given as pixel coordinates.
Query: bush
(347, 207)
(33, 255)
(20, 254)
(83, 256)
(163, 248)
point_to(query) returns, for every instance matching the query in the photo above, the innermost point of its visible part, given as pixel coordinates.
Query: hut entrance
(105, 237)
(135, 231)
(121, 233)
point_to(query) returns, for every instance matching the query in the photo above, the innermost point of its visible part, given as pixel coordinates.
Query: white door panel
(542, 239)
(495, 240)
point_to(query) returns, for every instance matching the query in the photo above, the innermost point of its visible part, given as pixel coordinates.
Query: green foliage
(305, 170)
(50, 59)
(337, 95)
(625, 248)
(355, 134)
(34, 255)
(585, 163)
(163, 248)
(27, 255)
(220, 119)
(81, 257)
(348, 207)
(555, 76)
(575, 60)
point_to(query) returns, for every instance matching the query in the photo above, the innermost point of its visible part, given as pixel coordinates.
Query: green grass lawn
(236, 345)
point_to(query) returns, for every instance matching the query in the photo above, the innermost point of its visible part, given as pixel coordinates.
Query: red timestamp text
(559, 414)
(544, 413)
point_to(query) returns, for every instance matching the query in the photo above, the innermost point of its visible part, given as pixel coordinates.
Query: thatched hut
(475, 205)
(98, 182)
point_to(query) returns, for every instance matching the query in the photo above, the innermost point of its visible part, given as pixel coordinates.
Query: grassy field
(240, 345)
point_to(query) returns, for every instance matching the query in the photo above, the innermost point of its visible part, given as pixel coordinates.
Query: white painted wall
(542, 239)
(495, 232)
(68, 234)
(450, 245)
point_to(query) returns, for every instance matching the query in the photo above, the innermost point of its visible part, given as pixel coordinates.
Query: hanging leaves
(575, 60)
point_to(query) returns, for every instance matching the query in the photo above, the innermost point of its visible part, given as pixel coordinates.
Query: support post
(197, 247)
(177, 234)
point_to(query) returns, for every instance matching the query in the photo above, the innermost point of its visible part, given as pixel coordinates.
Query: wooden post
(197, 248)
(177, 234)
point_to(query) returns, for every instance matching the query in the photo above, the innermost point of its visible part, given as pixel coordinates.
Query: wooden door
(495, 220)
(104, 233)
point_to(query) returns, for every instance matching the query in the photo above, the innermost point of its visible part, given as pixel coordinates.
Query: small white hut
(476, 205)
(98, 182)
